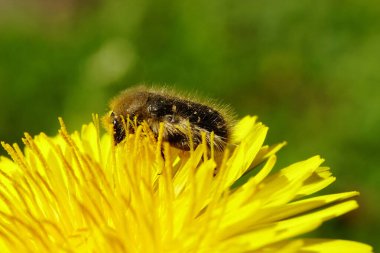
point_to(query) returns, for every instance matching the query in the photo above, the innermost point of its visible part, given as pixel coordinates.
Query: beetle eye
(118, 130)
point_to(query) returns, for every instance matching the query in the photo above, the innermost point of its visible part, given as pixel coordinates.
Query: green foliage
(308, 69)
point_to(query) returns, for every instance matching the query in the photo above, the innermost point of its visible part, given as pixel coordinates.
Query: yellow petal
(333, 246)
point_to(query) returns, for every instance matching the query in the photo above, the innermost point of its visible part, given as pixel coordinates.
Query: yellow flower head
(81, 193)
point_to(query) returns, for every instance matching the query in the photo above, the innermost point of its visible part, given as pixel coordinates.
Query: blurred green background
(310, 70)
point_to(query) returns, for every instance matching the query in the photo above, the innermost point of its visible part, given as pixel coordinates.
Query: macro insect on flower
(79, 192)
(184, 118)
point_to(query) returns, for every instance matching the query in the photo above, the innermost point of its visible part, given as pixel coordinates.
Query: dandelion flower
(80, 193)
